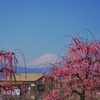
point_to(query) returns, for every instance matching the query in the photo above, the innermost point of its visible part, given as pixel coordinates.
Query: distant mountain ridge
(33, 70)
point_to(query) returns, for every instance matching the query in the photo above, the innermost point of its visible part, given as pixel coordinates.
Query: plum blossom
(78, 73)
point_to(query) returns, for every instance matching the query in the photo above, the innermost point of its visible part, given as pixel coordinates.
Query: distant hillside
(32, 70)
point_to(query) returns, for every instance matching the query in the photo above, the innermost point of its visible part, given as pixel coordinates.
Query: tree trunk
(80, 94)
(82, 97)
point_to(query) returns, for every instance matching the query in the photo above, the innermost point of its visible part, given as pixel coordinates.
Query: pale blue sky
(34, 26)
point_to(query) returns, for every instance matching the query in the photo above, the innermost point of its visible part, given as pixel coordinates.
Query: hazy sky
(34, 26)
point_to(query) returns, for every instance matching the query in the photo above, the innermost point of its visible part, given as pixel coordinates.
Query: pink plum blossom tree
(8, 64)
(8, 70)
(77, 75)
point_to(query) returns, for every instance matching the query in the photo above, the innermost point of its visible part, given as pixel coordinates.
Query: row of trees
(77, 75)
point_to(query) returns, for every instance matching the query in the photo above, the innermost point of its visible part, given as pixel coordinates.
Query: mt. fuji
(46, 58)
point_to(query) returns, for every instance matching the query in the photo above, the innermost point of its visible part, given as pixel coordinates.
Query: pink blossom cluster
(53, 95)
(8, 64)
(79, 71)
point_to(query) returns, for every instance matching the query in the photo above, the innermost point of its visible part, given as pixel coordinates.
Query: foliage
(8, 69)
(77, 76)
(8, 64)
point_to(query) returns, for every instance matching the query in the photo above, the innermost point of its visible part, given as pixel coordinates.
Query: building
(31, 83)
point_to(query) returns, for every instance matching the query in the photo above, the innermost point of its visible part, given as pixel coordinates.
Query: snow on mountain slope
(46, 58)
